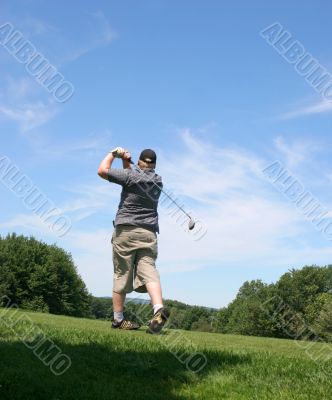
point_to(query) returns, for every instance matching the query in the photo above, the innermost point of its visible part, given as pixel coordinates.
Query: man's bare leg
(119, 320)
(154, 290)
(118, 304)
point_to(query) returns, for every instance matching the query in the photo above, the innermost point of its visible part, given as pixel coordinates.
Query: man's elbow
(102, 173)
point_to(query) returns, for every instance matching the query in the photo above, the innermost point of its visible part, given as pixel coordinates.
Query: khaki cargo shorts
(135, 251)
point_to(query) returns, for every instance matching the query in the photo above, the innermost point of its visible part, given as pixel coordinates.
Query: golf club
(191, 224)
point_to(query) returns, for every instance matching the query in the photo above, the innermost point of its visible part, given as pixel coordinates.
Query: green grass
(108, 364)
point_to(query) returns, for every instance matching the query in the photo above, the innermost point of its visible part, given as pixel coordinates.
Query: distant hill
(137, 300)
(183, 316)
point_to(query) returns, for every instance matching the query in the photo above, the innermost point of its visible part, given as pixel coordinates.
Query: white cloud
(84, 147)
(99, 33)
(317, 108)
(90, 198)
(297, 152)
(20, 102)
(29, 115)
(225, 189)
(31, 223)
(206, 173)
(21, 98)
(106, 32)
(18, 89)
(32, 26)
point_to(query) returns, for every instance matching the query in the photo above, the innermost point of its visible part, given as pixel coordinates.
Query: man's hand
(126, 156)
(118, 152)
(106, 164)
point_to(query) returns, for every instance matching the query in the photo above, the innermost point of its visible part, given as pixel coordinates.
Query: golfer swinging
(134, 239)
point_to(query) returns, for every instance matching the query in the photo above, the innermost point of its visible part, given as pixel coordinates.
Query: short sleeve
(119, 176)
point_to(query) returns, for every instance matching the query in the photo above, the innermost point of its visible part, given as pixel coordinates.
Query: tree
(323, 323)
(299, 288)
(221, 321)
(246, 315)
(297, 306)
(41, 277)
(101, 307)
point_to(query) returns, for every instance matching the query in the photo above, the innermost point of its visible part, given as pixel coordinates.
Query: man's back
(139, 197)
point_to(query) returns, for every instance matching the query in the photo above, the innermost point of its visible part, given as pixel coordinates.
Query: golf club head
(191, 224)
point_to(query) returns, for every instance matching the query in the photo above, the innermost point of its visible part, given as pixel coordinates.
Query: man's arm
(125, 160)
(105, 165)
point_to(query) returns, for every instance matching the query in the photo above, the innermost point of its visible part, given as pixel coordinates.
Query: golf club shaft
(166, 194)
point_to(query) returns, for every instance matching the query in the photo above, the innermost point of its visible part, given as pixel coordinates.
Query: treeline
(183, 316)
(41, 277)
(298, 306)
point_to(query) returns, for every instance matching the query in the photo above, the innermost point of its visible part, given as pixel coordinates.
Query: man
(134, 239)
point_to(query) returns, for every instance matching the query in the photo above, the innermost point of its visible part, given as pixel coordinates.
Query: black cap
(148, 156)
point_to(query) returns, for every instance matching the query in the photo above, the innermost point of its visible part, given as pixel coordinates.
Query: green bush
(42, 277)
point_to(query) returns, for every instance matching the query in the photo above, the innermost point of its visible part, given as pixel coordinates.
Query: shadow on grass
(102, 372)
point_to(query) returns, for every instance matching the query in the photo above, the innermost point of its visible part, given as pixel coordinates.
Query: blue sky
(195, 81)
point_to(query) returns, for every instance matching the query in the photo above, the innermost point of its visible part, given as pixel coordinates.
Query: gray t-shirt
(139, 197)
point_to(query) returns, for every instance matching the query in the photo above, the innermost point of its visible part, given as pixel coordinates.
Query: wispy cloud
(20, 102)
(82, 200)
(17, 89)
(225, 189)
(33, 26)
(107, 33)
(99, 33)
(29, 115)
(21, 98)
(90, 198)
(296, 152)
(74, 149)
(219, 171)
(317, 108)
(27, 222)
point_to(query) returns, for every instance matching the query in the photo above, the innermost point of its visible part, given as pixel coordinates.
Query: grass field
(108, 364)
